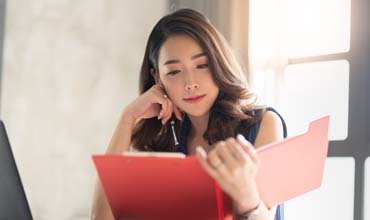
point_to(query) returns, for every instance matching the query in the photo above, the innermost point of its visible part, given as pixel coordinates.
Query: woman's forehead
(179, 47)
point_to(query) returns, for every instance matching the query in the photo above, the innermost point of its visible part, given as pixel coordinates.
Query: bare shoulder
(271, 129)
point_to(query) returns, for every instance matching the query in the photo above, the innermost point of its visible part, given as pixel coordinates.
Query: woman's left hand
(233, 163)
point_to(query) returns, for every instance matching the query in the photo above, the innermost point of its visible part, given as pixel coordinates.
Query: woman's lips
(193, 99)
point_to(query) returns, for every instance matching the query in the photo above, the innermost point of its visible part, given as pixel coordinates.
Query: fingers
(230, 154)
(223, 150)
(171, 109)
(214, 159)
(248, 148)
(202, 158)
(164, 106)
(166, 115)
(177, 112)
(160, 99)
(167, 107)
(213, 164)
(236, 149)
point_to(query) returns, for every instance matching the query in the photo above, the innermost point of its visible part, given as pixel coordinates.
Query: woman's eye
(173, 72)
(203, 66)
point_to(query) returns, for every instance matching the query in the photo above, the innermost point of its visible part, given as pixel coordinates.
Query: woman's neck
(198, 125)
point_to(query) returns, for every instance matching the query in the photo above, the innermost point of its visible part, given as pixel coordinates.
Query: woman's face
(185, 75)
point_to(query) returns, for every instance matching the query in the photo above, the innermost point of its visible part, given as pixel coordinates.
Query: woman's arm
(152, 103)
(271, 130)
(120, 142)
(233, 163)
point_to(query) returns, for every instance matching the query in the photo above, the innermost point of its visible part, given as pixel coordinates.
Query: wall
(69, 68)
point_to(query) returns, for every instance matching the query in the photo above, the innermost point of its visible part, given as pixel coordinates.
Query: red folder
(153, 187)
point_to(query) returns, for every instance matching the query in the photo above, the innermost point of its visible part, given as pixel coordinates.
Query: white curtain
(267, 59)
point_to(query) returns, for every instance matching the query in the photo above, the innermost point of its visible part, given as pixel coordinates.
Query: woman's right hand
(153, 103)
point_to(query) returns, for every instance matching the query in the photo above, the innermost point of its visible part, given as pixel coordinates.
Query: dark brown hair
(229, 115)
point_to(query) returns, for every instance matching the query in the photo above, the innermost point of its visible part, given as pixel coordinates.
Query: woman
(189, 71)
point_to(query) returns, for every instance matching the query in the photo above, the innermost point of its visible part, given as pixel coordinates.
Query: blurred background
(68, 68)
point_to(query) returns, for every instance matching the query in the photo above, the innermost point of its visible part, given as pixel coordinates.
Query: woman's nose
(191, 85)
(190, 81)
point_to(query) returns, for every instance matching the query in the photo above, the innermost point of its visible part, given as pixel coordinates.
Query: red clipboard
(153, 187)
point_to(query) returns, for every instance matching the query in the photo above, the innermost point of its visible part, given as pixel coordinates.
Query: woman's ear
(152, 72)
(156, 77)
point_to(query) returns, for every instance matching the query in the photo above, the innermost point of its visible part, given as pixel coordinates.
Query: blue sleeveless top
(251, 137)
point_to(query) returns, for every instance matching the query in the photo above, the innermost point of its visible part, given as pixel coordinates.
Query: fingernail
(242, 139)
(200, 151)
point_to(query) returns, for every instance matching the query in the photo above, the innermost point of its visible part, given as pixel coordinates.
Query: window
(299, 63)
(298, 58)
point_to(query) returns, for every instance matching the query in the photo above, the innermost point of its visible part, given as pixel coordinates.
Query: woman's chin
(194, 113)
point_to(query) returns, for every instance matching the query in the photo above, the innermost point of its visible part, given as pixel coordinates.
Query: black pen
(173, 132)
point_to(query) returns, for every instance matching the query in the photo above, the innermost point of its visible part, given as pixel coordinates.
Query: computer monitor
(13, 201)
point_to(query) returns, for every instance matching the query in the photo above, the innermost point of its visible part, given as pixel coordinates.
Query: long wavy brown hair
(230, 114)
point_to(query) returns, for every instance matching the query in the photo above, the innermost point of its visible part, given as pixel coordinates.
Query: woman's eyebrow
(199, 55)
(193, 57)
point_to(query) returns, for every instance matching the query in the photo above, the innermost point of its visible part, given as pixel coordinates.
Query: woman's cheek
(173, 91)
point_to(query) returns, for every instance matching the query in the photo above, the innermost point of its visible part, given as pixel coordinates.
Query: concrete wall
(69, 69)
